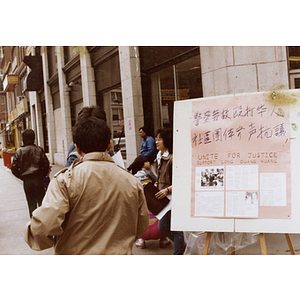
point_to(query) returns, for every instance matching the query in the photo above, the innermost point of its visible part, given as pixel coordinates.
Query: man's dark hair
(145, 129)
(138, 163)
(91, 135)
(92, 111)
(28, 137)
(167, 135)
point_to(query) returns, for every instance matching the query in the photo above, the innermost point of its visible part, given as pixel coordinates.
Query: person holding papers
(141, 170)
(163, 169)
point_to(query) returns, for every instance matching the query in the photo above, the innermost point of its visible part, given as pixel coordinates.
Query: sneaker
(141, 243)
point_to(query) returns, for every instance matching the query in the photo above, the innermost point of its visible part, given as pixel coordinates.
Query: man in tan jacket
(92, 207)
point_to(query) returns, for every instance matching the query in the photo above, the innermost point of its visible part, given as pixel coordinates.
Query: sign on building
(9, 81)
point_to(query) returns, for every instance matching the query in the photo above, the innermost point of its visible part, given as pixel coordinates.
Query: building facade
(4, 62)
(45, 87)
(17, 116)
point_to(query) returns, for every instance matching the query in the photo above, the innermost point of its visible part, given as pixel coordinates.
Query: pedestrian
(31, 165)
(92, 207)
(163, 168)
(148, 147)
(86, 112)
(141, 170)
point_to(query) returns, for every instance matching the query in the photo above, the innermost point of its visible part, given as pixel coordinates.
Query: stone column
(36, 118)
(49, 106)
(64, 103)
(243, 69)
(87, 78)
(132, 99)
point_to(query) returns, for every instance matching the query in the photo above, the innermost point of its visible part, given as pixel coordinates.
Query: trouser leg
(164, 225)
(40, 191)
(29, 192)
(176, 236)
(179, 244)
(34, 191)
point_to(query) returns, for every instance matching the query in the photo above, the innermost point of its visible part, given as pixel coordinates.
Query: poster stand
(289, 241)
(226, 176)
(262, 243)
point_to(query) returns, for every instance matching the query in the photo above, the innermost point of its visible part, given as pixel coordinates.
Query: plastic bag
(220, 243)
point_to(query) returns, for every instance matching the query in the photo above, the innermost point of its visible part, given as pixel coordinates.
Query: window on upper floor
(52, 60)
(294, 57)
(294, 66)
(70, 52)
(55, 95)
(3, 109)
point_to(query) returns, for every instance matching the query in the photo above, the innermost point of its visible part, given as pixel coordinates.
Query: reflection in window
(70, 52)
(52, 60)
(76, 99)
(3, 109)
(188, 79)
(294, 57)
(113, 106)
(181, 81)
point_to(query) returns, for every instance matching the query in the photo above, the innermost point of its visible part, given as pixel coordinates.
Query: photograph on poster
(209, 178)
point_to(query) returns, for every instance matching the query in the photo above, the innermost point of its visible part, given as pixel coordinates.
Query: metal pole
(175, 82)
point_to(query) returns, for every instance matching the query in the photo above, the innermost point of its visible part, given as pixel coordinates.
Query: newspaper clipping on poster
(241, 159)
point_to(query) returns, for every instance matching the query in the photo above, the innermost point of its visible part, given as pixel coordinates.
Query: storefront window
(76, 99)
(167, 94)
(113, 106)
(178, 82)
(105, 61)
(75, 109)
(188, 79)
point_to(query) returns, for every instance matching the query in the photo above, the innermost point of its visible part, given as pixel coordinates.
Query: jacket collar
(102, 156)
(165, 156)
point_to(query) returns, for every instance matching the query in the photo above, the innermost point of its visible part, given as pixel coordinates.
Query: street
(14, 215)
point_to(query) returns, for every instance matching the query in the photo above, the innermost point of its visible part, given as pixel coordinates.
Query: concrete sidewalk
(14, 215)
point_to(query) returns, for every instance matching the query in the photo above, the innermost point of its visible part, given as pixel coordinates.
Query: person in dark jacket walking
(31, 165)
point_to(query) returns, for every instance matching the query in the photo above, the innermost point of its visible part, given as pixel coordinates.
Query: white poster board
(236, 163)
